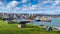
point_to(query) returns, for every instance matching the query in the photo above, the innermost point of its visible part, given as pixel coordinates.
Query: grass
(13, 29)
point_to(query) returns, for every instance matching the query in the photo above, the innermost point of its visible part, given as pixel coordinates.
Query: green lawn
(13, 29)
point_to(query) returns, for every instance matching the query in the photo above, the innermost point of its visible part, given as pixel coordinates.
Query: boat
(45, 20)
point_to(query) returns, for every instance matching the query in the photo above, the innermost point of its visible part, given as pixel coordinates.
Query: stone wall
(21, 25)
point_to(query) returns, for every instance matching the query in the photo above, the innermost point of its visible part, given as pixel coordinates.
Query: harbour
(44, 19)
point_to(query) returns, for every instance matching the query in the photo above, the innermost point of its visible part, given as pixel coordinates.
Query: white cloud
(24, 1)
(54, 4)
(12, 7)
(57, 2)
(2, 5)
(12, 4)
(34, 7)
(17, 9)
(30, 7)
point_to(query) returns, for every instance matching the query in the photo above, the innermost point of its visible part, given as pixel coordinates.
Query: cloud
(54, 4)
(24, 1)
(57, 2)
(12, 4)
(30, 7)
(41, 7)
(1, 3)
(34, 7)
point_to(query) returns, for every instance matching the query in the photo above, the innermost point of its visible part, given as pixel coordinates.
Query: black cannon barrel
(23, 22)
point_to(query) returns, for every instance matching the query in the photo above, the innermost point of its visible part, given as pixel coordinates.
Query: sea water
(54, 22)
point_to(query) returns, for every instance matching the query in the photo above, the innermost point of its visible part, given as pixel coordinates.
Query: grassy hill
(6, 28)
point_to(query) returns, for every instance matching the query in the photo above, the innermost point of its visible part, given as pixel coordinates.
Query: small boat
(38, 20)
(45, 20)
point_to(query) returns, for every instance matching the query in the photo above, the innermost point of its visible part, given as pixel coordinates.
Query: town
(13, 17)
(25, 15)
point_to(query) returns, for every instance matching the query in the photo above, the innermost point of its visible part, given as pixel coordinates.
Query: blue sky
(30, 6)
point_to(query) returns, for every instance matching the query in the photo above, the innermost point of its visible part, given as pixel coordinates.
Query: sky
(30, 6)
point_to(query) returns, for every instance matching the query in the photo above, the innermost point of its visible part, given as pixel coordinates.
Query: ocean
(54, 22)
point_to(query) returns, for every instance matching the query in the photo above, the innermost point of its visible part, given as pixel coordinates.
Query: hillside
(6, 28)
